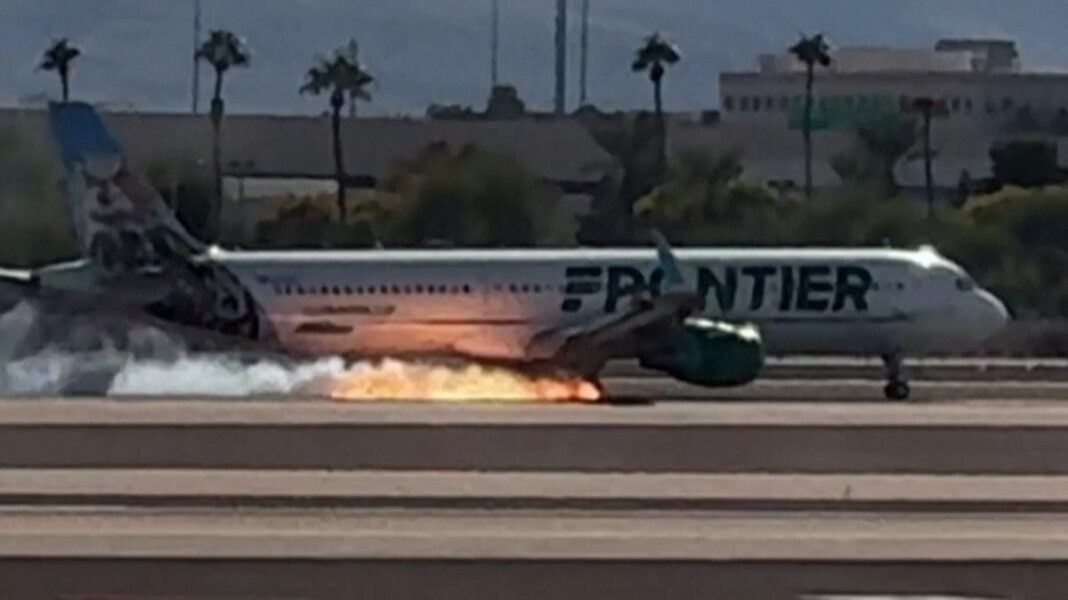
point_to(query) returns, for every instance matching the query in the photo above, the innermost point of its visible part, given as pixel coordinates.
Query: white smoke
(221, 376)
(83, 359)
(50, 355)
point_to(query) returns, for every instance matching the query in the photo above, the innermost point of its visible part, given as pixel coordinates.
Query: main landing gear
(897, 385)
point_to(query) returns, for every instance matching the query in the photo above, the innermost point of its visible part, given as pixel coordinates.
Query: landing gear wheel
(897, 390)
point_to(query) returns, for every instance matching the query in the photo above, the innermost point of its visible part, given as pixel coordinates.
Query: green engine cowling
(711, 354)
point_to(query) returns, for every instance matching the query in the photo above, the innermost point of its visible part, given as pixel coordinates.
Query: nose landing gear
(897, 385)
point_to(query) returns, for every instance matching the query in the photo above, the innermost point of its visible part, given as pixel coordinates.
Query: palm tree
(222, 50)
(58, 58)
(352, 53)
(811, 51)
(654, 56)
(929, 109)
(346, 79)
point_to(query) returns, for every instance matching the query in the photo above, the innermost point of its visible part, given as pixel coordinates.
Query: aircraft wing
(587, 347)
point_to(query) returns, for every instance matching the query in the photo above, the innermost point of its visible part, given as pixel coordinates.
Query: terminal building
(980, 81)
(988, 95)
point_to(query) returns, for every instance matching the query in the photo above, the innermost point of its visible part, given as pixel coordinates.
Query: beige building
(981, 82)
(987, 94)
(269, 159)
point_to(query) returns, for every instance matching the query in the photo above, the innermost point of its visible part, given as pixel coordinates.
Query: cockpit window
(965, 284)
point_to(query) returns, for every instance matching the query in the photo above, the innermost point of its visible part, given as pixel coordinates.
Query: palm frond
(224, 49)
(58, 55)
(343, 74)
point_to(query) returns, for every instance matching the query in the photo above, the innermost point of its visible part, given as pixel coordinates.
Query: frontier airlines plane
(704, 316)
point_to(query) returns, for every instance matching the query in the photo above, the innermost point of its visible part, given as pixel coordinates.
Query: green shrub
(470, 198)
(35, 226)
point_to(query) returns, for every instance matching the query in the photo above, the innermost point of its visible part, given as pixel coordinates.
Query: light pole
(929, 108)
(196, 61)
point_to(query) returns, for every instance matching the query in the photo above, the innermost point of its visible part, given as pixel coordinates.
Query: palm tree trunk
(661, 158)
(215, 211)
(806, 128)
(927, 170)
(339, 163)
(64, 81)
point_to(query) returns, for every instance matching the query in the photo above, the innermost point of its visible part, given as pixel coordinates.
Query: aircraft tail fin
(668, 262)
(121, 222)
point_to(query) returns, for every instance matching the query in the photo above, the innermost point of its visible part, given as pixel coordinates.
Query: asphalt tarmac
(765, 494)
(1008, 437)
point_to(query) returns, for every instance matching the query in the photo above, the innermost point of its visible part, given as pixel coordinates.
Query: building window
(968, 105)
(769, 103)
(954, 104)
(756, 104)
(743, 104)
(1006, 104)
(728, 103)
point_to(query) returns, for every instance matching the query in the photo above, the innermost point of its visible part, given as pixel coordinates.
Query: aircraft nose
(991, 317)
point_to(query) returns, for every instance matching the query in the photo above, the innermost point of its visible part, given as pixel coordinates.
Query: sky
(138, 52)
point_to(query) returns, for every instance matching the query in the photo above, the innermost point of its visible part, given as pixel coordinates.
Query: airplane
(704, 316)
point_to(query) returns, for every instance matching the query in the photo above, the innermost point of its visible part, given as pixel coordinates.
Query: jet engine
(710, 353)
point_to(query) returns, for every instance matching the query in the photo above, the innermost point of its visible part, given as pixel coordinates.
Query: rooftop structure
(981, 81)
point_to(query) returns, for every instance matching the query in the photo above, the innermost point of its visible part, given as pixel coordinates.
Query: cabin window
(965, 284)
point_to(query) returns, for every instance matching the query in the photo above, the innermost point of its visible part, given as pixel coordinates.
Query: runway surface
(786, 489)
(977, 437)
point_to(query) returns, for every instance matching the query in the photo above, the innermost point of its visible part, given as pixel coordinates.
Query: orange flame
(397, 380)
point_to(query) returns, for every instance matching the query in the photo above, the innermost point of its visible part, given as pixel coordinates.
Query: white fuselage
(491, 303)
